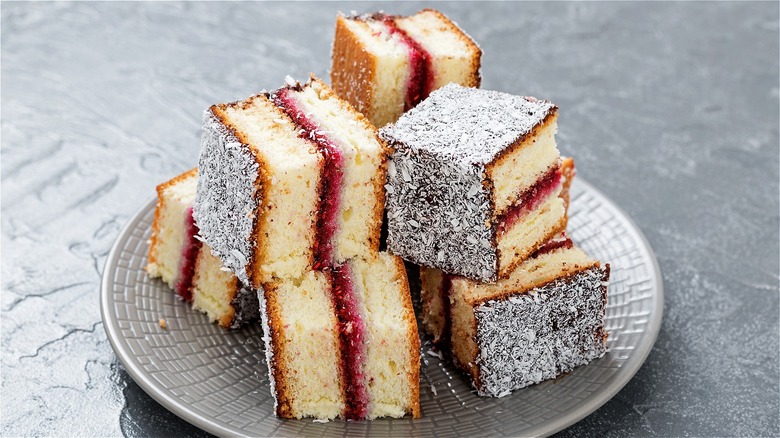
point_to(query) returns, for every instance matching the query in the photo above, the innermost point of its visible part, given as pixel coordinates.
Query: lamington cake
(343, 342)
(544, 320)
(386, 64)
(187, 266)
(474, 181)
(290, 181)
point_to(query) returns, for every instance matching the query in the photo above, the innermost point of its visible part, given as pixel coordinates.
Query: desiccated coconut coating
(468, 126)
(226, 199)
(537, 335)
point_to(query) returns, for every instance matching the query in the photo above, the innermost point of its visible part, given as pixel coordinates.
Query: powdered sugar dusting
(536, 336)
(467, 125)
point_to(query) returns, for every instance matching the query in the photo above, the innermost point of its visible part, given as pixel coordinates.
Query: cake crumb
(317, 420)
(163, 323)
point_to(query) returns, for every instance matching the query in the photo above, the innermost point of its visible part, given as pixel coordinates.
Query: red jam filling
(353, 336)
(351, 327)
(189, 254)
(531, 199)
(421, 76)
(562, 241)
(332, 177)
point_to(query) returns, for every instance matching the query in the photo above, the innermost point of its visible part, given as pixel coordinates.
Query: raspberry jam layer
(353, 337)
(561, 241)
(420, 82)
(189, 254)
(331, 179)
(531, 199)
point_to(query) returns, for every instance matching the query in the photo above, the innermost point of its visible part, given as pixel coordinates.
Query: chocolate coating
(246, 306)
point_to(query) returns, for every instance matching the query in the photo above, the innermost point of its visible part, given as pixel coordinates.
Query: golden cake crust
(278, 368)
(465, 332)
(354, 69)
(227, 319)
(157, 222)
(414, 338)
(503, 295)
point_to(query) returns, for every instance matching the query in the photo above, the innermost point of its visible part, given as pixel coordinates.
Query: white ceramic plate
(217, 379)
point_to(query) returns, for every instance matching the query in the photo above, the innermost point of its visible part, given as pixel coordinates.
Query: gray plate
(217, 380)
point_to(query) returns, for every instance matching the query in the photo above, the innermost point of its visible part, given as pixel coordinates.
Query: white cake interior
(392, 359)
(304, 324)
(520, 169)
(292, 172)
(452, 58)
(173, 202)
(362, 187)
(213, 288)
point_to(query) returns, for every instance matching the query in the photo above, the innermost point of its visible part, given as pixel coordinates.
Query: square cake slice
(177, 256)
(386, 64)
(474, 182)
(544, 320)
(343, 342)
(173, 246)
(289, 181)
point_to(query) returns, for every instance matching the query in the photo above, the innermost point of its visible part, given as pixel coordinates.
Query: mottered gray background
(671, 109)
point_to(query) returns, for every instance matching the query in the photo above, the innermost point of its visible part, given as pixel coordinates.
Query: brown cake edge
(157, 221)
(414, 338)
(261, 184)
(277, 368)
(353, 69)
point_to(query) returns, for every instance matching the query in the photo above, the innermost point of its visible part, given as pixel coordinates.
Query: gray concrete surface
(671, 109)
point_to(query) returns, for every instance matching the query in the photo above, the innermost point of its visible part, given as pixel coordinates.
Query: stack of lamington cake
(290, 197)
(477, 195)
(282, 221)
(282, 218)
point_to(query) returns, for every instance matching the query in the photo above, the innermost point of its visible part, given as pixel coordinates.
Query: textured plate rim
(159, 394)
(182, 410)
(640, 354)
